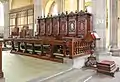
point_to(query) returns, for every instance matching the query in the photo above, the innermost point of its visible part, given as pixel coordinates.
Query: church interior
(59, 40)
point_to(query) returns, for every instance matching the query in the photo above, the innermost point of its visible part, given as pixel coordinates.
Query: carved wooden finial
(76, 11)
(44, 16)
(66, 12)
(58, 14)
(51, 15)
(48, 15)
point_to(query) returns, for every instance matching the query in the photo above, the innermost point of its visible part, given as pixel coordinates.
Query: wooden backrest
(84, 24)
(66, 25)
(42, 27)
(15, 31)
(81, 25)
(63, 25)
(72, 27)
(56, 26)
(48, 23)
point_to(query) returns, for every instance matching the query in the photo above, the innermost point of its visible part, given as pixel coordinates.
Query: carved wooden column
(1, 73)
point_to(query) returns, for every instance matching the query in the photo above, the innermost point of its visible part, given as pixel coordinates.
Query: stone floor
(19, 68)
(75, 75)
(87, 75)
(2, 80)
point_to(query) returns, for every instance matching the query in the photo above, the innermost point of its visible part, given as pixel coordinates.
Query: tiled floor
(19, 68)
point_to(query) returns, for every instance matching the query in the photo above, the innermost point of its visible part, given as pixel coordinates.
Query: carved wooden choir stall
(58, 37)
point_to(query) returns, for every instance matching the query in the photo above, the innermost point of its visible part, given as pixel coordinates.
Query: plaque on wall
(56, 26)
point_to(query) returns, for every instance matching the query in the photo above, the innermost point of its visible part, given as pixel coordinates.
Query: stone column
(112, 22)
(80, 5)
(118, 22)
(99, 22)
(60, 5)
(38, 10)
(113, 26)
(63, 5)
(6, 19)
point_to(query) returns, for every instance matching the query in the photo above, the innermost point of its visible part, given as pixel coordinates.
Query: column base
(115, 52)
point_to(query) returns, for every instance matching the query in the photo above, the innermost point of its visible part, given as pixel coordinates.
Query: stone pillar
(6, 19)
(118, 22)
(80, 5)
(112, 22)
(60, 5)
(38, 10)
(113, 26)
(99, 22)
(63, 5)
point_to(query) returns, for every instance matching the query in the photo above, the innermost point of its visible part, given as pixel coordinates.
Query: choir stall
(58, 37)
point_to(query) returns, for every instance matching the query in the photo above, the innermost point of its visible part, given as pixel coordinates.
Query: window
(22, 18)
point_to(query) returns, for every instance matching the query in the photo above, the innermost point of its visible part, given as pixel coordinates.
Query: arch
(53, 9)
(48, 6)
